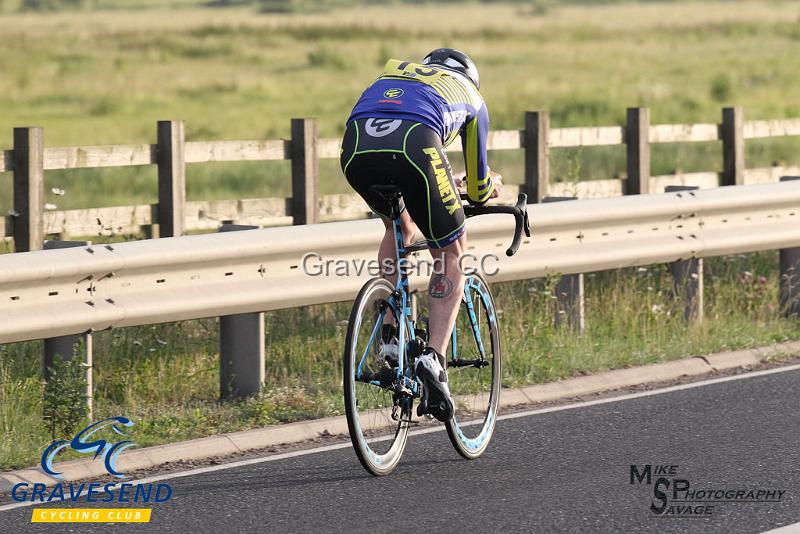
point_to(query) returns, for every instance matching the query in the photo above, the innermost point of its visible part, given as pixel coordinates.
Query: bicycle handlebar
(519, 212)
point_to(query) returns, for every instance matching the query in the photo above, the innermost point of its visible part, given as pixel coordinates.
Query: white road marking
(440, 428)
(794, 528)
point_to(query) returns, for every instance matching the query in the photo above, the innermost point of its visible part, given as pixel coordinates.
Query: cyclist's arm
(473, 140)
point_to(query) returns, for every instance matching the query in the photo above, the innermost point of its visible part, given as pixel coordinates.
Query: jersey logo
(381, 127)
(454, 119)
(393, 93)
(446, 193)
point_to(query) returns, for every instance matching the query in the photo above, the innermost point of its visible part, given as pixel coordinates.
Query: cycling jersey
(441, 99)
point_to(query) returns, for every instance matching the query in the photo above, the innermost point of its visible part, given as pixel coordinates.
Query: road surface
(564, 470)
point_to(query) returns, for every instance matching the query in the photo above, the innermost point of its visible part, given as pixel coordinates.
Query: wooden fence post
(637, 140)
(687, 275)
(65, 346)
(28, 163)
(790, 275)
(171, 178)
(732, 134)
(570, 308)
(537, 155)
(304, 171)
(241, 347)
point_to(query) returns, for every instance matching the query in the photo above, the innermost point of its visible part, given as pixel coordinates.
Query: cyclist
(396, 135)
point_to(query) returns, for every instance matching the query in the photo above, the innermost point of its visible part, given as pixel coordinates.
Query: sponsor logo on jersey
(442, 180)
(393, 93)
(381, 127)
(454, 119)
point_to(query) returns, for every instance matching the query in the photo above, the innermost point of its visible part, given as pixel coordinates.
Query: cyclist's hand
(497, 181)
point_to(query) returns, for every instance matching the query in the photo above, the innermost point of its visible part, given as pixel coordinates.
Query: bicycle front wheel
(378, 438)
(474, 370)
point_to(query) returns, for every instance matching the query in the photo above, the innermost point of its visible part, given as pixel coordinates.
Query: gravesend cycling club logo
(675, 496)
(393, 93)
(108, 452)
(87, 441)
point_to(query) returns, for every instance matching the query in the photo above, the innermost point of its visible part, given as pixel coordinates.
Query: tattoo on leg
(440, 286)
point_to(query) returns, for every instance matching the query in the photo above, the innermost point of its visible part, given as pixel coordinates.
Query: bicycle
(379, 395)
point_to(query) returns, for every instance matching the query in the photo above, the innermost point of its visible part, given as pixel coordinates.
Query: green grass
(106, 77)
(166, 377)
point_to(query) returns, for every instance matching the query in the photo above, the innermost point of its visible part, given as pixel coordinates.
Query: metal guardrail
(172, 215)
(75, 290)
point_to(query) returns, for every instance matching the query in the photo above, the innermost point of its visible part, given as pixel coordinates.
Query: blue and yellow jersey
(439, 98)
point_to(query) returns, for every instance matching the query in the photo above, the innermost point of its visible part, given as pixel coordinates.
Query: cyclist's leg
(387, 259)
(432, 201)
(387, 253)
(444, 292)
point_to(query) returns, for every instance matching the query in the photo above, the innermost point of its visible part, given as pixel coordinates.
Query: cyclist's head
(452, 59)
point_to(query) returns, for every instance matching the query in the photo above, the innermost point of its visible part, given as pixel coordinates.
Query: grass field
(106, 77)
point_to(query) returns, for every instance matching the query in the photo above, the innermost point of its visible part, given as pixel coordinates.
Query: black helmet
(452, 59)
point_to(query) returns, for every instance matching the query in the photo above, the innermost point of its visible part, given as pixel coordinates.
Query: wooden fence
(29, 223)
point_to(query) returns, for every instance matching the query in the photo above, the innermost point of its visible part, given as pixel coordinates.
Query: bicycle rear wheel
(474, 370)
(377, 438)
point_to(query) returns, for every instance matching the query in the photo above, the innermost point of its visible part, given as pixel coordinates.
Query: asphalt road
(561, 471)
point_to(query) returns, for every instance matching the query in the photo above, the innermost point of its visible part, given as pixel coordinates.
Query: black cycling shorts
(409, 155)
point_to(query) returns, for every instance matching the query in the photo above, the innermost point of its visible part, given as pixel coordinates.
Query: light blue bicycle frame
(400, 303)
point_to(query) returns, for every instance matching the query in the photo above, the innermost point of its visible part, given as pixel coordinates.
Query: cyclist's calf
(444, 291)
